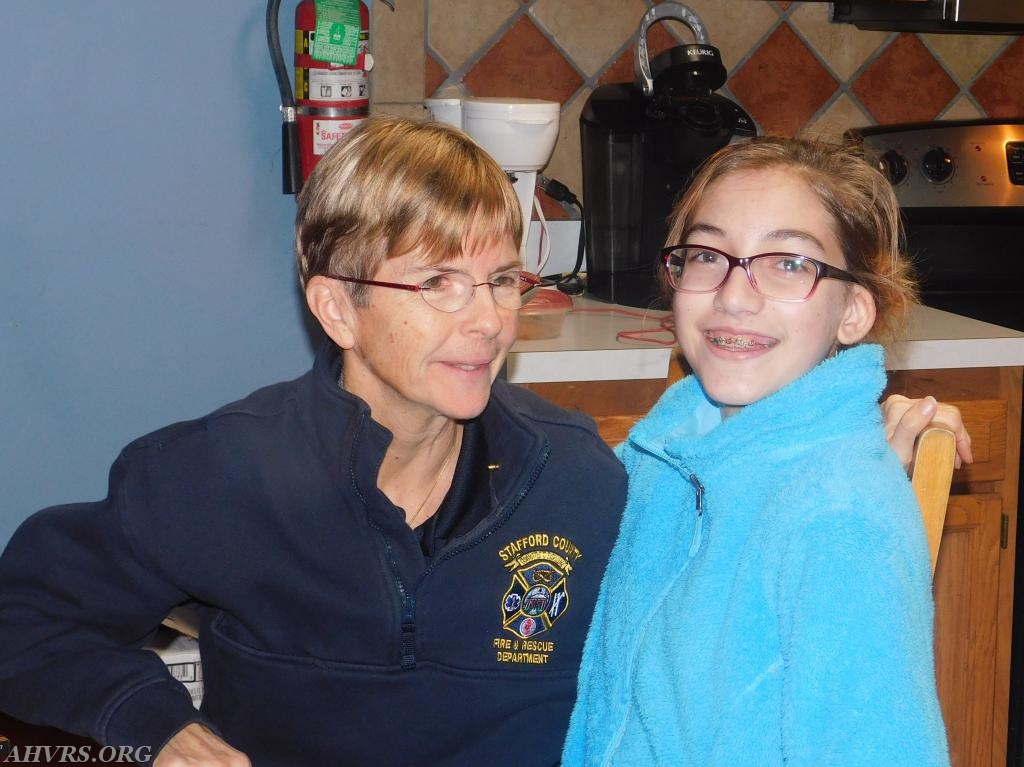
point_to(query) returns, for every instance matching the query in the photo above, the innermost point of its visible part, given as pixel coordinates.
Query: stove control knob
(937, 165)
(894, 166)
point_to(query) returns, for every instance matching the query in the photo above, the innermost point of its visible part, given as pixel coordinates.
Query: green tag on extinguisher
(336, 38)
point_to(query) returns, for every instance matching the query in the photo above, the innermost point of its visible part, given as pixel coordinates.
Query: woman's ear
(332, 305)
(859, 317)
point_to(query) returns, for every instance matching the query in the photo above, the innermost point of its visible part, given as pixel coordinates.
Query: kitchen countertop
(588, 350)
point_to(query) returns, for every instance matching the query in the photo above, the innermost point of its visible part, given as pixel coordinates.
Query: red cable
(665, 325)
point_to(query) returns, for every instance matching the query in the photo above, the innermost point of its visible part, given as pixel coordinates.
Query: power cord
(569, 283)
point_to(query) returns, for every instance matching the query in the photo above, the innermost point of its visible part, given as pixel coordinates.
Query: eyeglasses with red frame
(451, 291)
(778, 276)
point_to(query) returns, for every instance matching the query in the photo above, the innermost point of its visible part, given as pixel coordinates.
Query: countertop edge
(591, 351)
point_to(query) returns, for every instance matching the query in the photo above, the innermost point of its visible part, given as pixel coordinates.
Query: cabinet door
(966, 590)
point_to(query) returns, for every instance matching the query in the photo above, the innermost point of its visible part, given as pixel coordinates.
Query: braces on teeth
(743, 343)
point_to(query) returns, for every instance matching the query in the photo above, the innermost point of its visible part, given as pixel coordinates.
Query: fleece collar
(821, 405)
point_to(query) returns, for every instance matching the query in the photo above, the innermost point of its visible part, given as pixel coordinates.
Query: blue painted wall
(146, 268)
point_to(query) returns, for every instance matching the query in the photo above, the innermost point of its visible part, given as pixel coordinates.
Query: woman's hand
(195, 746)
(906, 418)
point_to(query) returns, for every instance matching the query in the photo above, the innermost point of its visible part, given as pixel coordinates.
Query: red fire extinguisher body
(330, 98)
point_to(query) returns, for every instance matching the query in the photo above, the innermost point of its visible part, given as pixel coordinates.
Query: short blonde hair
(856, 195)
(394, 185)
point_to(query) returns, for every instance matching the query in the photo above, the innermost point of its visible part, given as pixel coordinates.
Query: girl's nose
(737, 293)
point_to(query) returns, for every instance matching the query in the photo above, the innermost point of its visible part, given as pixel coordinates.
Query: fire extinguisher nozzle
(291, 164)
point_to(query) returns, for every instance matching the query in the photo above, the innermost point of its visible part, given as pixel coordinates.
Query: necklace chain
(414, 519)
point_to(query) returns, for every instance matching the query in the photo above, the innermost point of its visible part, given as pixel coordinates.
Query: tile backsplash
(793, 70)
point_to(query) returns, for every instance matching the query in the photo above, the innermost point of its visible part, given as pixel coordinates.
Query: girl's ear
(331, 304)
(859, 317)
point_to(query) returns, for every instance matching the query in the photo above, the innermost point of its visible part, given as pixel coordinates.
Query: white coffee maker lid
(519, 133)
(497, 108)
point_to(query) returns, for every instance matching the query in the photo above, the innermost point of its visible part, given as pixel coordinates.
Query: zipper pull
(408, 636)
(700, 494)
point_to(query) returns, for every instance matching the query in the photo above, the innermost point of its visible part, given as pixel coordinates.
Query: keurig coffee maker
(641, 143)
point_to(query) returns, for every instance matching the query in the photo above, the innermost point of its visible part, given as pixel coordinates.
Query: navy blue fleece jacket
(327, 636)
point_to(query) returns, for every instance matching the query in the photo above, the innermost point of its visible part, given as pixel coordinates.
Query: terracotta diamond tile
(434, 74)
(523, 63)
(782, 85)
(621, 70)
(905, 84)
(1000, 90)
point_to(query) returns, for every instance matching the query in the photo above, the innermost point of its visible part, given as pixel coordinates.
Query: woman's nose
(483, 314)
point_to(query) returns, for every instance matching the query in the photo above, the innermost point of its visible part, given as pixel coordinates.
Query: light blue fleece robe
(768, 601)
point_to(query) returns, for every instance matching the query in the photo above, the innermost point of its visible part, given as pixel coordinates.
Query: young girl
(768, 601)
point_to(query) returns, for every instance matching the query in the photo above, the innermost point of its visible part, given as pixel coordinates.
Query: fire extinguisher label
(304, 46)
(327, 133)
(336, 38)
(335, 85)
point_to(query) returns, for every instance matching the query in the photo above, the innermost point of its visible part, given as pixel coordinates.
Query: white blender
(520, 135)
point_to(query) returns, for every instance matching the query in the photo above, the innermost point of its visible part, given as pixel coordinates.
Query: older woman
(396, 555)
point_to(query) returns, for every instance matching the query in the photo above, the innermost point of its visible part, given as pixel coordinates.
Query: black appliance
(961, 189)
(641, 143)
(1003, 17)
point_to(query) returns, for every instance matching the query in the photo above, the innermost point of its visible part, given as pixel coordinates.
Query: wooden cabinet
(966, 619)
(974, 576)
(975, 572)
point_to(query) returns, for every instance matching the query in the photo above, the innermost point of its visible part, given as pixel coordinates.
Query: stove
(961, 189)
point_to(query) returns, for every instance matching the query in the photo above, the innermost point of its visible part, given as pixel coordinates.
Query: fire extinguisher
(332, 81)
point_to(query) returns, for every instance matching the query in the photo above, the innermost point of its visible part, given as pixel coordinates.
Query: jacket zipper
(408, 632)
(700, 494)
(619, 732)
(698, 527)
(407, 636)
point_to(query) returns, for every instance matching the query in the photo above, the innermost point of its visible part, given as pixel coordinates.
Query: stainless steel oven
(961, 190)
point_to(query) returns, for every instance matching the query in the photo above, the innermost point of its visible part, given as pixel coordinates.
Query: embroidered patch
(537, 597)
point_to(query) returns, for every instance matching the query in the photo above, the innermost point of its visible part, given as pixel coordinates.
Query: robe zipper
(698, 528)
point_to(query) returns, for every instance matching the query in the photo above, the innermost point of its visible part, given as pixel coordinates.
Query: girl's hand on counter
(906, 418)
(195, 746)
